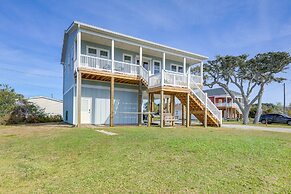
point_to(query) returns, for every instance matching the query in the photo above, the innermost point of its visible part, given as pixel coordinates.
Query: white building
(51, 106)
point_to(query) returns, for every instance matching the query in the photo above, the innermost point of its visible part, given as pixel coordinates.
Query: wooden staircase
(197, 108)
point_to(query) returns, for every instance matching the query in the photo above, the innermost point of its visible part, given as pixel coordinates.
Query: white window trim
(128, 55)
(177, 67)
(154, 65)
(92, 47)
(99, 52)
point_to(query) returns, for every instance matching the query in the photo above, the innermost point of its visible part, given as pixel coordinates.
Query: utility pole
(284, 103)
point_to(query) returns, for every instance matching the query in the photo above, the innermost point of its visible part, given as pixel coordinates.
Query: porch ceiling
(134, 48)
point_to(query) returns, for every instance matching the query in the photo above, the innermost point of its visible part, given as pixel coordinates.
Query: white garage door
(102, 107)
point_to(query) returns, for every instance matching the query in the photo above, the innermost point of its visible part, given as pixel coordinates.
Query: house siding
(125, 102)
(68, 106)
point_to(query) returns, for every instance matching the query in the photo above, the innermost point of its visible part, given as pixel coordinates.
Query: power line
(35, 74)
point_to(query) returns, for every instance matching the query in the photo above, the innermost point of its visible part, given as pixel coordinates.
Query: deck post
(183, 114)
(205, 111)
(149, 109)
(79, 90)
(112, 56)
(139, 104)
(162, 109)
(187, 110)
(112, 102)
(173, 108)
(152, 104)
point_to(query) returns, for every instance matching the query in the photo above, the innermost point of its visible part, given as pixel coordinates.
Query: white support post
(163, 69)
(112, 56)
(79, 48)
(140, 59)
(162, 78)
(201, 72)
(205, 111)
(184, 65)
(188, 79)
(164, 61)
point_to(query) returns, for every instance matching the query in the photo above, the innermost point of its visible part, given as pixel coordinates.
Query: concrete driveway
(261, 128)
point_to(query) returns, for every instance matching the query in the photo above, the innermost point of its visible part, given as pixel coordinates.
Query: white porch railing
(155, 80)
(175, 79)
(144, 73)
(126, 68)
(95, 63)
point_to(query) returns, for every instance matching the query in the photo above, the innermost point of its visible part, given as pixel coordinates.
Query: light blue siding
(68, 106)
(69, 80)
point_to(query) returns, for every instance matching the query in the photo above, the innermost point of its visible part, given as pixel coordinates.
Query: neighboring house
(51, 106)
(224, 102)
(106, 76)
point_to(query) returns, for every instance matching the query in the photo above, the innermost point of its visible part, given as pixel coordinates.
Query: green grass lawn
(144, 160)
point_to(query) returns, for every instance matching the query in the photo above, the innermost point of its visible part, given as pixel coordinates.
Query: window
(177, 68)
(127, 58)
(157, 65)
(104, 54)
(91, 51)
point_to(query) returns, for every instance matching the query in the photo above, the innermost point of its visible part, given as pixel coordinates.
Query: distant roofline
(48, 98)
(237, 94)
(134, 39)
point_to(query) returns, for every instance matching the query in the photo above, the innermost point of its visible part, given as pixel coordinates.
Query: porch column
(112, 102)
(79, 90)
(205, 111)
(139, 104)
(164, 61)
(78, 49)
(187, 110)
(201, 72)
(184, 65)
(162, 109)
(140, 57)
(183, 114)
(112, 55)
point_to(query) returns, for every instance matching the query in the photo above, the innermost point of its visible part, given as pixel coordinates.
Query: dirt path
(249, 127)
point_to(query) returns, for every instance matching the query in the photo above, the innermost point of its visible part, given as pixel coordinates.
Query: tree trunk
(259, 109)
(246, 113)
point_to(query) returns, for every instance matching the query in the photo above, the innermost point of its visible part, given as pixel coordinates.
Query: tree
(8, 101)
(269, 65)
(247, 75)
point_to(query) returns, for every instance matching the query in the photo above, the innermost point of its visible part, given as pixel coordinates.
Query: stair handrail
(144, 75)
(209, 104)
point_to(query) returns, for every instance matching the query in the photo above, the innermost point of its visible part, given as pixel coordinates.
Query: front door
(145, 63)
(86, 110)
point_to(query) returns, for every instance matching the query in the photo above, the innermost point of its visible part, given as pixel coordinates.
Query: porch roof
(127, 39)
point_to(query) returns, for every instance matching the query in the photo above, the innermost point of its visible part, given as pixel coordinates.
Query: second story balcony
(163, 78)
(157, 65)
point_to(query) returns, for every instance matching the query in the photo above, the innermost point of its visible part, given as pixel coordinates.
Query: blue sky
(31, 33)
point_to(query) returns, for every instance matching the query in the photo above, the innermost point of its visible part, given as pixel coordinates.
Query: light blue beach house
(107, 76)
